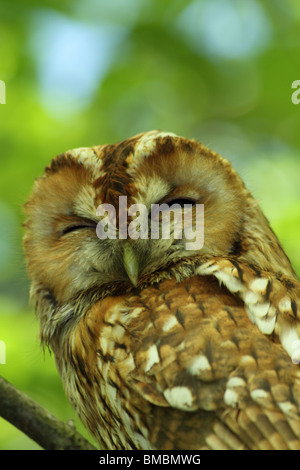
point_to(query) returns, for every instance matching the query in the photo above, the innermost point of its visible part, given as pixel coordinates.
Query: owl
(165, 339)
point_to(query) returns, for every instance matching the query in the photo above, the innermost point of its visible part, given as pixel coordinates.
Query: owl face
(66, 254)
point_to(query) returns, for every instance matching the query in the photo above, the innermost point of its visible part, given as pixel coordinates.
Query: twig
(37, 423)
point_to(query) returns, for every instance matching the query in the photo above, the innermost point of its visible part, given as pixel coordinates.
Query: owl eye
(78, 226)
(181, 201)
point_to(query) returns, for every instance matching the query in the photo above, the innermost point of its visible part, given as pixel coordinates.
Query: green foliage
(30, 370)
(85, 73)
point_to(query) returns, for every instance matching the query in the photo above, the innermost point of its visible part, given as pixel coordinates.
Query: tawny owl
(162, 344)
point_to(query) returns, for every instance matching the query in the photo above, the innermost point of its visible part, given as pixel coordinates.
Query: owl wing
(272, 300)
(214, 380)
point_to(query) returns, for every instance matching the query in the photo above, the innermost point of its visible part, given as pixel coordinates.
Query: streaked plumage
(203, 351)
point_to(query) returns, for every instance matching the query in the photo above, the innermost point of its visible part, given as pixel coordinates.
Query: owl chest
(102, 399)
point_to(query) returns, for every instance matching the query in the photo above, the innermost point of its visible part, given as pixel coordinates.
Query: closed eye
(78, 226)
(181, 201)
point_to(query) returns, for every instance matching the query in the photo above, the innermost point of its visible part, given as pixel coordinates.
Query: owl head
(69, 257)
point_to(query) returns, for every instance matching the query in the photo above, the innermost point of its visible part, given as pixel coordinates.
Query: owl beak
(130, 263)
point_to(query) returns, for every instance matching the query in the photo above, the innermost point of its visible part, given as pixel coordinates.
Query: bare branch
(37, 423)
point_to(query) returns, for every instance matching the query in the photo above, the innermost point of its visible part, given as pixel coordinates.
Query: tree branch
(37, 423)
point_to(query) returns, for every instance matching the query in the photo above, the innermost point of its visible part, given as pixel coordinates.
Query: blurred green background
(81, 73)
